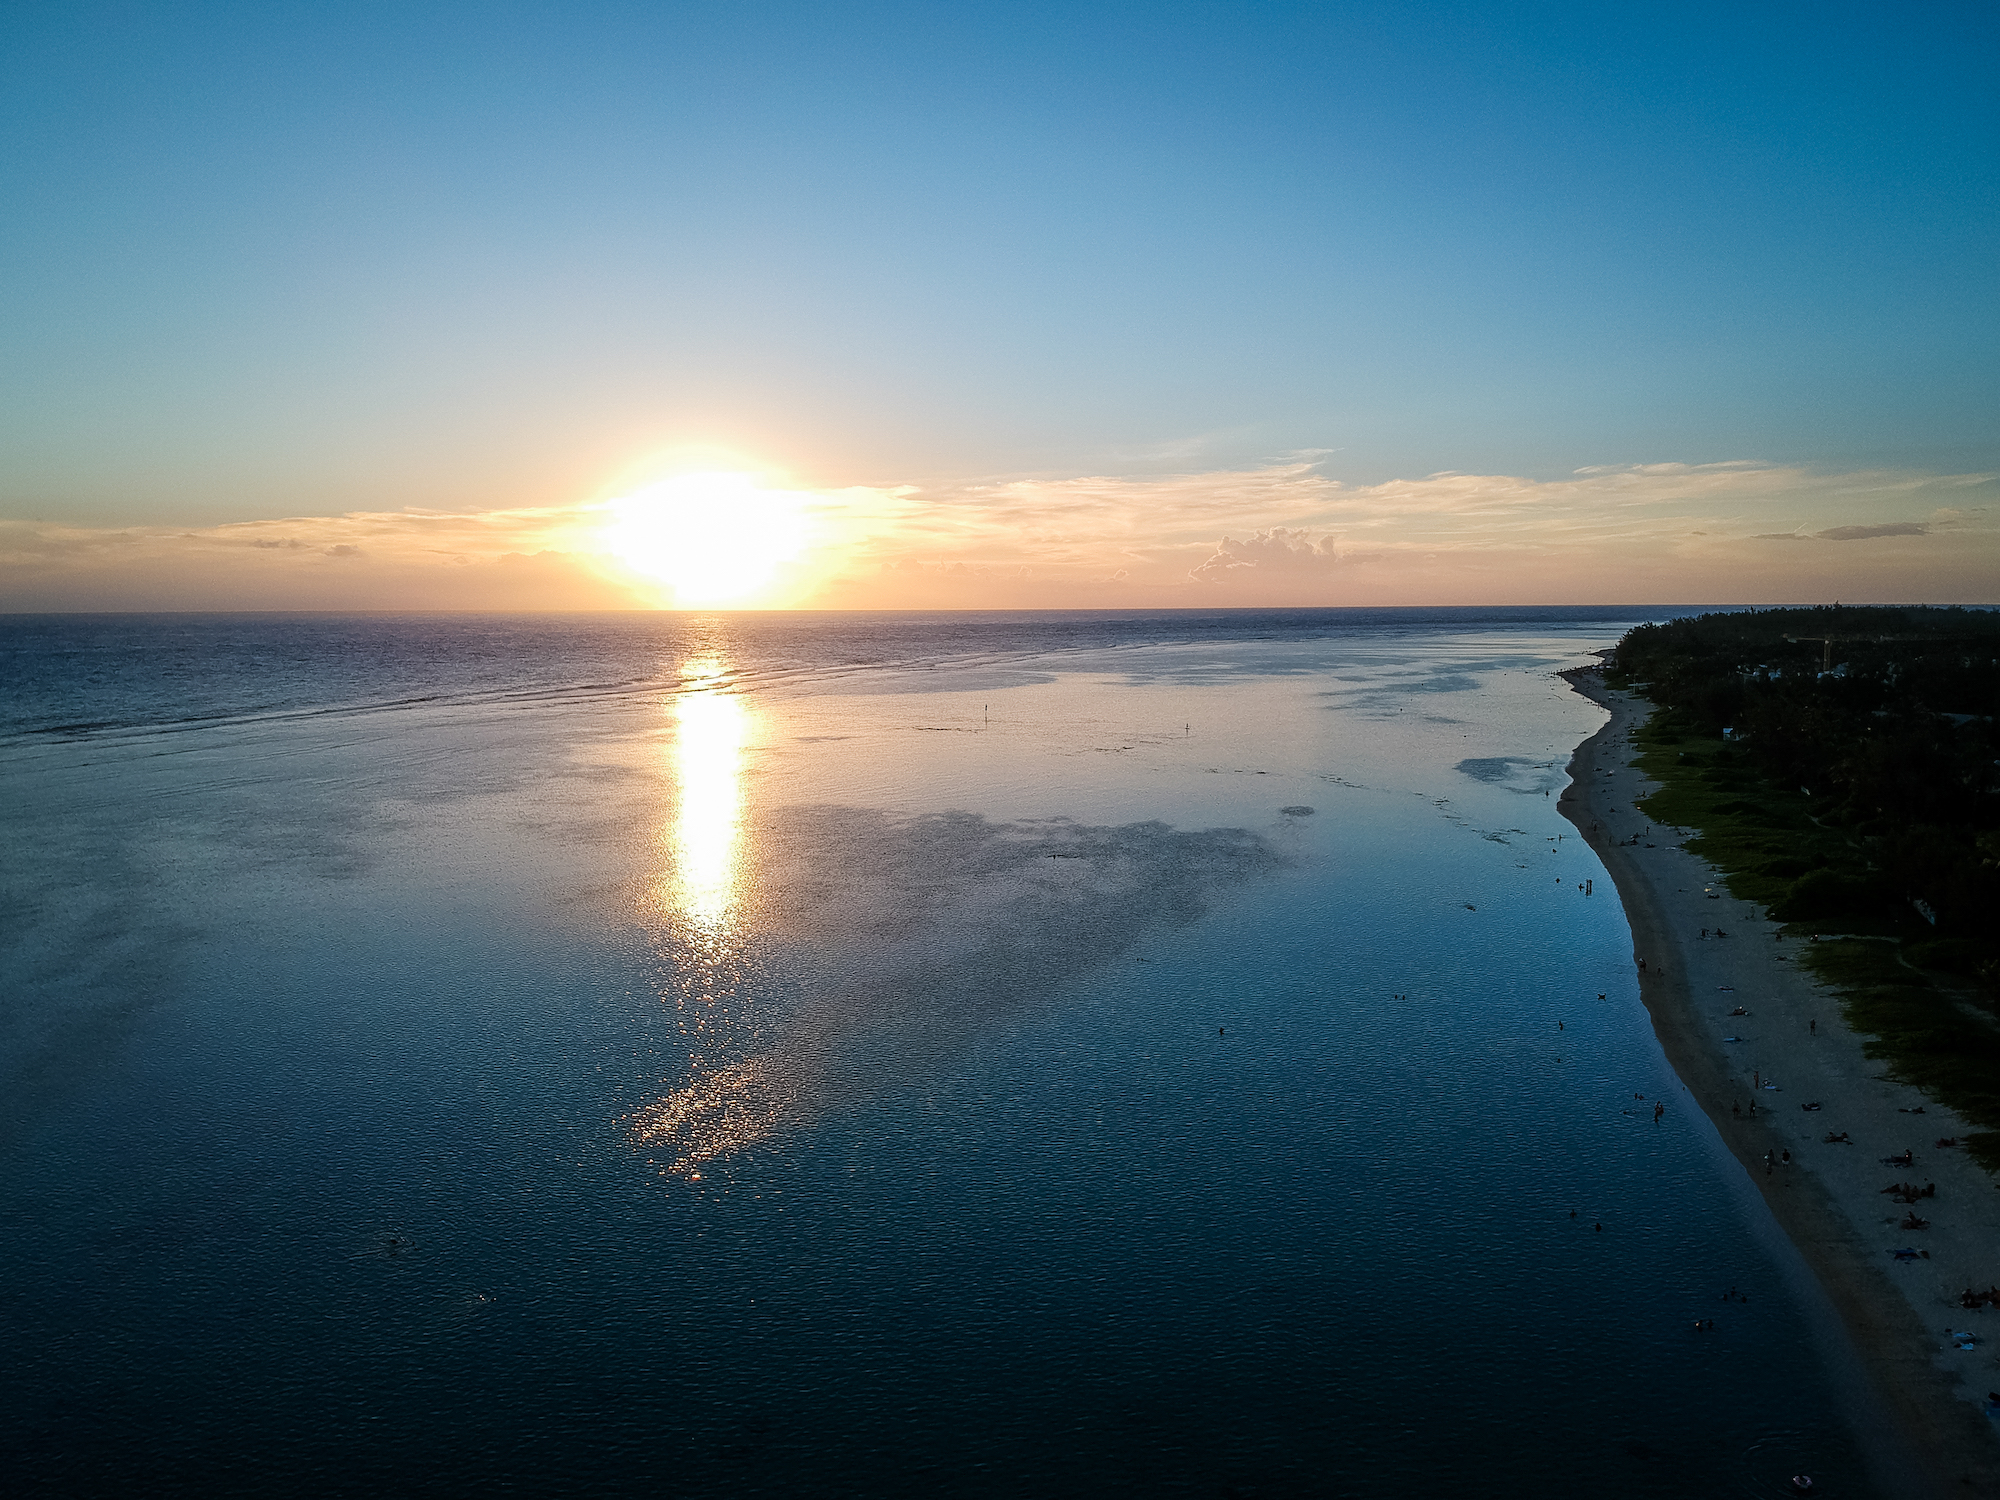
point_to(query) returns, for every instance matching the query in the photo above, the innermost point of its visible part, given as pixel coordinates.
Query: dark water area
(754, 1055)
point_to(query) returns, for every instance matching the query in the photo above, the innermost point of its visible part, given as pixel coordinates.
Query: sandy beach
(1758, 1076)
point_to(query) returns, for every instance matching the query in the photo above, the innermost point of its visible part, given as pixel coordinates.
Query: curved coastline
(1825, 1197)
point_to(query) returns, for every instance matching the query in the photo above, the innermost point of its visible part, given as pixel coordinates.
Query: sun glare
(711, 538)
(709, 749)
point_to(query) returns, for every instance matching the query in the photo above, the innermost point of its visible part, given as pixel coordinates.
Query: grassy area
(1763, 838)
(1935, 1033)
(1927, 1036)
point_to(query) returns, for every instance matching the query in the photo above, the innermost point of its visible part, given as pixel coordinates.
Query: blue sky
(273, 260)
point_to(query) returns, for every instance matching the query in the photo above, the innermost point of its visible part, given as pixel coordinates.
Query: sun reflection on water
(728, 1101)
(720, 1111)
(708, 820)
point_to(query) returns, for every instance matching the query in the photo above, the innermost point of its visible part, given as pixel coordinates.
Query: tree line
(1880, 724)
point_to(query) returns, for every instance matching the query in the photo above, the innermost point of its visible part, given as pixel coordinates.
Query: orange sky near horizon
(1284, 534)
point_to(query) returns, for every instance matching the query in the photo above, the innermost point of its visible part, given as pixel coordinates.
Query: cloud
(1866, 533)
(1282, 534)
(1292, 534)
(1277, 552)
(363, 560)
(1847, 533)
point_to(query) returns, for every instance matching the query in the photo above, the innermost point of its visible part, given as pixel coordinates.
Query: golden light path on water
(708, 817)
(725, 1106)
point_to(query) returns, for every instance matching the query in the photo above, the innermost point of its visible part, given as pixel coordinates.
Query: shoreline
(1826, 1198)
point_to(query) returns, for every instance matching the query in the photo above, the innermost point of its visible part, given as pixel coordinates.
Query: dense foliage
(1864, 740)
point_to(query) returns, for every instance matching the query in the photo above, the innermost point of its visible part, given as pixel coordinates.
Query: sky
(985, 305)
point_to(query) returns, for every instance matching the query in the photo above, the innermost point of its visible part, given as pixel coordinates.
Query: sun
(711, 538)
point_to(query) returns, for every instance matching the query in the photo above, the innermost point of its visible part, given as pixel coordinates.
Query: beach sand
(1828, 1199)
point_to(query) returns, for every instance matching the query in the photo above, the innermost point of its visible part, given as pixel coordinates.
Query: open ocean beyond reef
(1004, 1055)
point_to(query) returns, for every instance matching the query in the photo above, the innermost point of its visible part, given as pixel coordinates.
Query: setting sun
(711, 538)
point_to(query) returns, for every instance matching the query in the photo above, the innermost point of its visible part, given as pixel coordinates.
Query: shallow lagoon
(949, 1069)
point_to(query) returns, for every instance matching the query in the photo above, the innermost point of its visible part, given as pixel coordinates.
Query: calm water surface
(737, 1055)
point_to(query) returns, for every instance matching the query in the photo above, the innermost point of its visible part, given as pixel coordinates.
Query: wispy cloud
(1290, 533)
(1286, 533)
(1869, 533)
(1848, 533)
(385, 560)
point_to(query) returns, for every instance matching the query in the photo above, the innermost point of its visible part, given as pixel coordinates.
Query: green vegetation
(1926, 1032)
(1841, 767)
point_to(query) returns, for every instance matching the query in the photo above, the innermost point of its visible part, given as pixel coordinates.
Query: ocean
(849, 1055)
